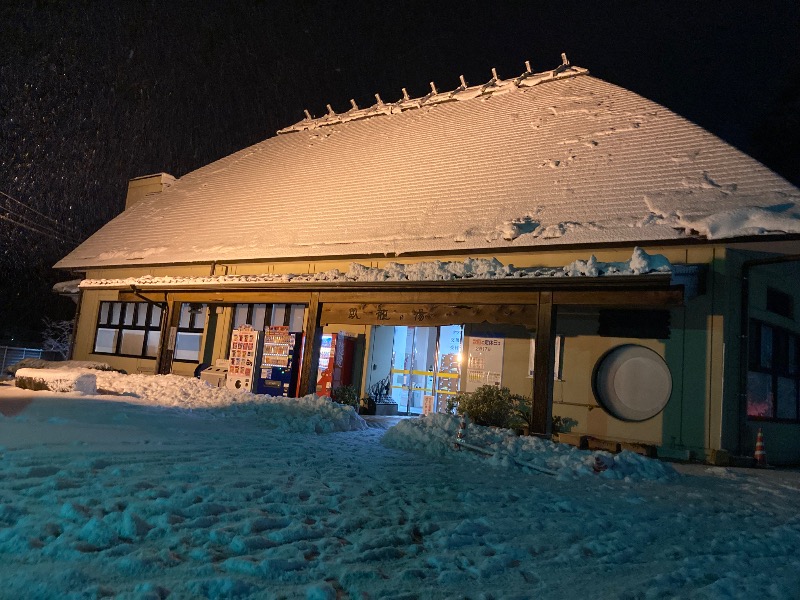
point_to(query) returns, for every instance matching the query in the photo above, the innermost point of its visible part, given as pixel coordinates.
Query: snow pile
(746, 221)
(39, 363)
(299, 415)
(105, 498)
(470, 268)
(436, 435)
(640, 263)
(57, 380)
(764, 214)
(67, 287)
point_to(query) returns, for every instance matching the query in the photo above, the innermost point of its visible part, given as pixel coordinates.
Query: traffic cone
(461, 436)
(760, 454)
(599, 464)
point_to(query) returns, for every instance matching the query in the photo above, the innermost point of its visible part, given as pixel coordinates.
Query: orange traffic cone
(760, 454)
(461, 436)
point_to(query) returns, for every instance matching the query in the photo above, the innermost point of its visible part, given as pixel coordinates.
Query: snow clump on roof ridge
(495, 85)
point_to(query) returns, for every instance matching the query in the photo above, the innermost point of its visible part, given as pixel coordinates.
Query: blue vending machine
(280, 362)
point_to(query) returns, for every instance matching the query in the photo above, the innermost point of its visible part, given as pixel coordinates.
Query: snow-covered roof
(556, 158)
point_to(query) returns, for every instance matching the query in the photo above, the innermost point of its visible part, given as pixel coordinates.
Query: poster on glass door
(485, 362)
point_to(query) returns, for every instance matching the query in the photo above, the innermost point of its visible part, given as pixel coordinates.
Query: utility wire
(29, 223)
(28, 219)
(60, 232)
(29, 208)
(45, 233)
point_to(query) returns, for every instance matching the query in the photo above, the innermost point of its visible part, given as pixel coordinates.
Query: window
(254, 315)
(780, 303)
(261, 316)
(191, 322)
(128, 329)
(773, 377)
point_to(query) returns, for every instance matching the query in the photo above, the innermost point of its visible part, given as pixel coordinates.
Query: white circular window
(632, 382)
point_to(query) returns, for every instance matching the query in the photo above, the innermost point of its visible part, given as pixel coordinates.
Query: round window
(632, 383)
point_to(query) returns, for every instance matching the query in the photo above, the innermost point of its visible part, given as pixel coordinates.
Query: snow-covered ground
(169, 488)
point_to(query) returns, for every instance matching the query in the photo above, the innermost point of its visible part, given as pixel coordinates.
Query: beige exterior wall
(692, 422)
(574, 401)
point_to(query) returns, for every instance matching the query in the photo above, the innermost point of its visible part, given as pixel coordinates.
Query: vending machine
(243, 359)
(336, 356)
(343, 356)
(279, 366)
(325, 366)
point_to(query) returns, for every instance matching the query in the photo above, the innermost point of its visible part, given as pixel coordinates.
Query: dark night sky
(94, 93)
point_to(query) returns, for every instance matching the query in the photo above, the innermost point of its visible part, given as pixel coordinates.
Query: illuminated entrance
(426, 366)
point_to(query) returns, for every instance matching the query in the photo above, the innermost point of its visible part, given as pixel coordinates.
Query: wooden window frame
(191, 328)
(120, 326)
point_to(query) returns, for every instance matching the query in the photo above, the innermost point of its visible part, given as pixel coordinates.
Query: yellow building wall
(691, 421)
(573, 398)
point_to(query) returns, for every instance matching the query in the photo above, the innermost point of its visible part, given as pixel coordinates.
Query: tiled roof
(571, 160)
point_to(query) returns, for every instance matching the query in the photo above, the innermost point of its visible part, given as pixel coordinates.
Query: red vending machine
(325, 366)
(280, 362)
(336, 357)
(343, 354)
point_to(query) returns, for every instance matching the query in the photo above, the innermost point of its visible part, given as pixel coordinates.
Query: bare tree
(57, 336)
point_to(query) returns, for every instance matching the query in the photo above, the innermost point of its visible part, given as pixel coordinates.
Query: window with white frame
(128, 329)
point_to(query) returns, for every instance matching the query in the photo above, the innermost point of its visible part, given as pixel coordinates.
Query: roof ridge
(462, 92)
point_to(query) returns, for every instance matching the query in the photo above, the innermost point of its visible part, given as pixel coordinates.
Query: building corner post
(312, 342)
(169, 327)
(543, 365)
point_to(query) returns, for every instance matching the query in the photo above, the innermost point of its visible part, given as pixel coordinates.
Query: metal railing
(10, 355)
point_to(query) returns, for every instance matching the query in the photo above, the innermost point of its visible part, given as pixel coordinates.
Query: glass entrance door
(425, 362)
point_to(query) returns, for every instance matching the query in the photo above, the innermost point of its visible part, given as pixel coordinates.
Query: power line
(45, 233)
(42, 226)
(49, 218)
(29, 223)
(27, 219)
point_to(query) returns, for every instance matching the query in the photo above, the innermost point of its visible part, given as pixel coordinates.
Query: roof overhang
(636, 291)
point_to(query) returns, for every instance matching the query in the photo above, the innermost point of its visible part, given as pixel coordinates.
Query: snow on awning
(639, 264)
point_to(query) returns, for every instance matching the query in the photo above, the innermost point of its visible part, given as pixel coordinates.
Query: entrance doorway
(426, 367)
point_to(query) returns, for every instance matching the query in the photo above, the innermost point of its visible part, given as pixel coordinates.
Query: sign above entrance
(427, 315)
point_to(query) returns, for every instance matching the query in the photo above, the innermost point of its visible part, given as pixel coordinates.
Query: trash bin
(216, 374)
